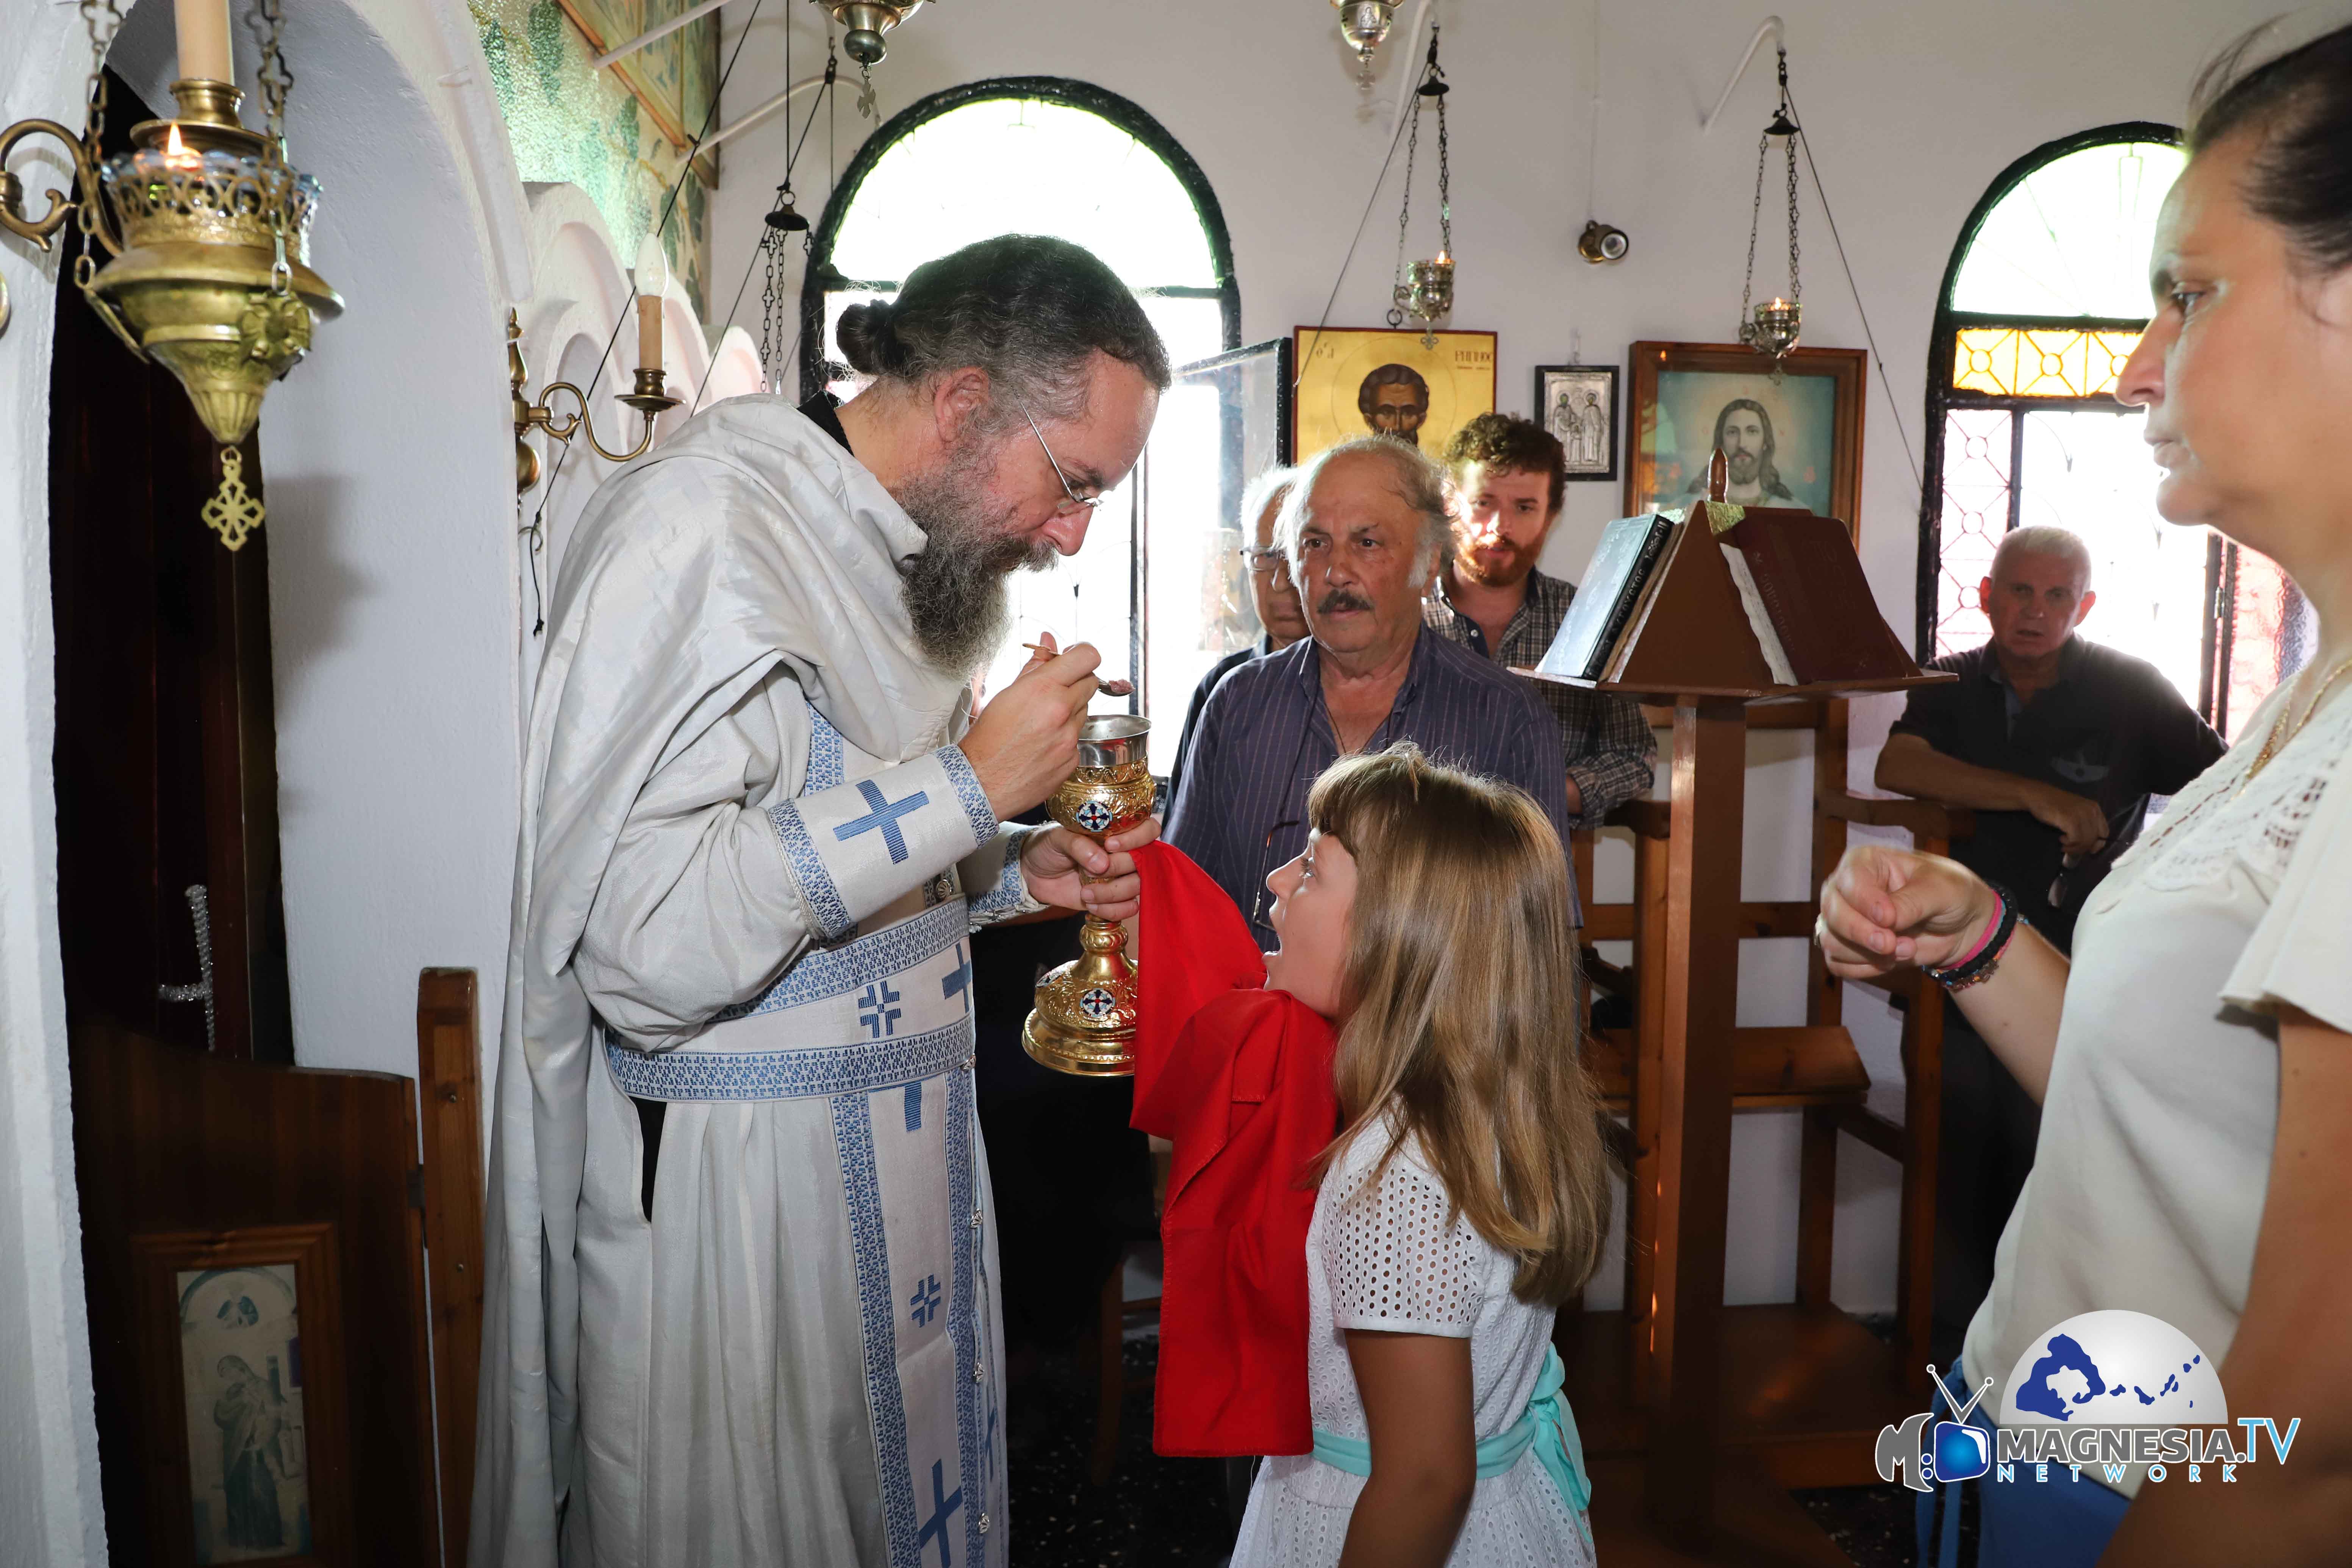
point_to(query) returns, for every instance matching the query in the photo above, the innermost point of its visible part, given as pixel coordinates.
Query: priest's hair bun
(868, 340)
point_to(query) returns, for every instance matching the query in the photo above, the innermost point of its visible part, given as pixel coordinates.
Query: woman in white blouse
(2194, 1064)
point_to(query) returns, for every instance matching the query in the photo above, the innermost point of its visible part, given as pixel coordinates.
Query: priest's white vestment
(751, 857)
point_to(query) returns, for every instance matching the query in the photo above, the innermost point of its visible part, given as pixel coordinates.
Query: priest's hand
(1025, 741)
(1062, 869)
(1883, 908)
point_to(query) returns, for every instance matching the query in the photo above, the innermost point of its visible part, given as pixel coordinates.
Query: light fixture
(1365, 25)
(206, 227)
(1424, 291)
(648, 398)
(1774, 326)
(1603, 242)
(866, 21)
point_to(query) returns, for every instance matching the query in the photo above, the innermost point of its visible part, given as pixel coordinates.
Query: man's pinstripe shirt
(1265, 736)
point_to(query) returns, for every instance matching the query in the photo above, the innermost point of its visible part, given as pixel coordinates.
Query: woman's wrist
(1994, 928)
(1985, 905)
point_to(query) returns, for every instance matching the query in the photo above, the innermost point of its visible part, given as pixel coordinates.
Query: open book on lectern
(1723, 597)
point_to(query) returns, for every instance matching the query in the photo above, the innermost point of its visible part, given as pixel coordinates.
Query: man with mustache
(1365, 525)
(741, 1299)
(1743, 434)
(1509, 475)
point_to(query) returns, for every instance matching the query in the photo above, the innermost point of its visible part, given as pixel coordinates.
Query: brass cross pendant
(233, 512)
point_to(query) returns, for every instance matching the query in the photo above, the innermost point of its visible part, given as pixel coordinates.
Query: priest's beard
(955, 589)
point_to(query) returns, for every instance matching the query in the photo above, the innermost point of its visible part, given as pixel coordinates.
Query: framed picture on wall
(240, 1363)
(1372, 381)
(1578, 403)
(1791, 441)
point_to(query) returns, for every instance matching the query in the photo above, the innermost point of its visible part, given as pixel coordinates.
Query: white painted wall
(49, 1449)
(1912, 107)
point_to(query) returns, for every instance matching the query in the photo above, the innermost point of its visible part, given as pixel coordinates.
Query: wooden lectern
(1693, 650)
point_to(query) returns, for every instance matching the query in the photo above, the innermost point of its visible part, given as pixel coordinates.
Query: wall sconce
(207, 231)
(648, 397)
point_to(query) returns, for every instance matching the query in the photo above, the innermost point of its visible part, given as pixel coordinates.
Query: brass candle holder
(1084, 1022)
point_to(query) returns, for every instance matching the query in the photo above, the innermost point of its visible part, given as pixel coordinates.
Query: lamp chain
(1404, 212)
(1784, 126)
(1444, 170)
(1789, 142)
(268, 21)
(1431, 73)
(1755, 220)
(102, 20)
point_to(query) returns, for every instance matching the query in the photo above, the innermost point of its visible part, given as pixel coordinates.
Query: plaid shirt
(1613, 753)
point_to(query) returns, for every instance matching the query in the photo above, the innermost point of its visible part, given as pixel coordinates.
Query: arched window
(2045, 299)
(1035, 156)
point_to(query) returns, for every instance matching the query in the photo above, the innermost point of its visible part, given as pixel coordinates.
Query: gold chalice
(1084, 1022)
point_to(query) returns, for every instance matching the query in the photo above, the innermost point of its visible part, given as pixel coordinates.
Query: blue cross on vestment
(924, 1304)
(941, 1508)
(878, 1010)
(884, 814)
(957, 982)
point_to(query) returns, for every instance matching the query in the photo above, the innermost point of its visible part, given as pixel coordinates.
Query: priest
(741, 1288)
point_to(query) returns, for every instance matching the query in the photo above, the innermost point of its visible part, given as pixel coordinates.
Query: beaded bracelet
(1985, 958)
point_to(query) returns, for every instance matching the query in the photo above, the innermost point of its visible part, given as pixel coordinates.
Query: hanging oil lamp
(1364, 24)
(867, 21)
(1423, 290)
(1773, 327)
(208, 228)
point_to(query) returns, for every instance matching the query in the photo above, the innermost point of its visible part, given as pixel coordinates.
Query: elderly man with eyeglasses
(1272, 594)
(1363, 528)
(742, 1261)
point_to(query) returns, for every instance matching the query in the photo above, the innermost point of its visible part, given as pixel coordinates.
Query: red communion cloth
(1239, 1078)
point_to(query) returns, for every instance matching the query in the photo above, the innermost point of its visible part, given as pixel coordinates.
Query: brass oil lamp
(207, 231)
(1084, 1022)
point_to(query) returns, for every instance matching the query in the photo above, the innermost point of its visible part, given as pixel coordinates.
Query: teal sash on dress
(1546, 1424)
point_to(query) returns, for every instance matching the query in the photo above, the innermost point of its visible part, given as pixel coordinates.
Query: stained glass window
(2044, 301)
(1035, 156)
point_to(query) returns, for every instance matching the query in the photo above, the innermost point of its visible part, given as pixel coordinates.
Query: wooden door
(198, 1147)
(166, 748)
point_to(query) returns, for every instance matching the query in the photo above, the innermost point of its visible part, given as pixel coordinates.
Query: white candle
(204, 53)
(653, 284)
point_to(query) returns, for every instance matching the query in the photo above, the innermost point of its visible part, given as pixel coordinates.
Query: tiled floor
(1173, 1512)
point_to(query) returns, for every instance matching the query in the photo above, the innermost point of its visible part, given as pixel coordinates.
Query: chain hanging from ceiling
(1423, 290)
(1773, 327)
(777, 306)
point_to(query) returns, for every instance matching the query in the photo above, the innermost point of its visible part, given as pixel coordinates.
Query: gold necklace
(2281, 735)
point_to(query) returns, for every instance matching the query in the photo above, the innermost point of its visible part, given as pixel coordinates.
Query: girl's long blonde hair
(1461, 1023)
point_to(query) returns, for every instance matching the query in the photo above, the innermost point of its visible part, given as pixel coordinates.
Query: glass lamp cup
(1084, 1020)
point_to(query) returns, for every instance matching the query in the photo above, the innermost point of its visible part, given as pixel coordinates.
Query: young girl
(1428, 918)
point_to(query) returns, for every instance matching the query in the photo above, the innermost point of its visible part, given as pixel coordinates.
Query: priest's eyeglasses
(1076, 503)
